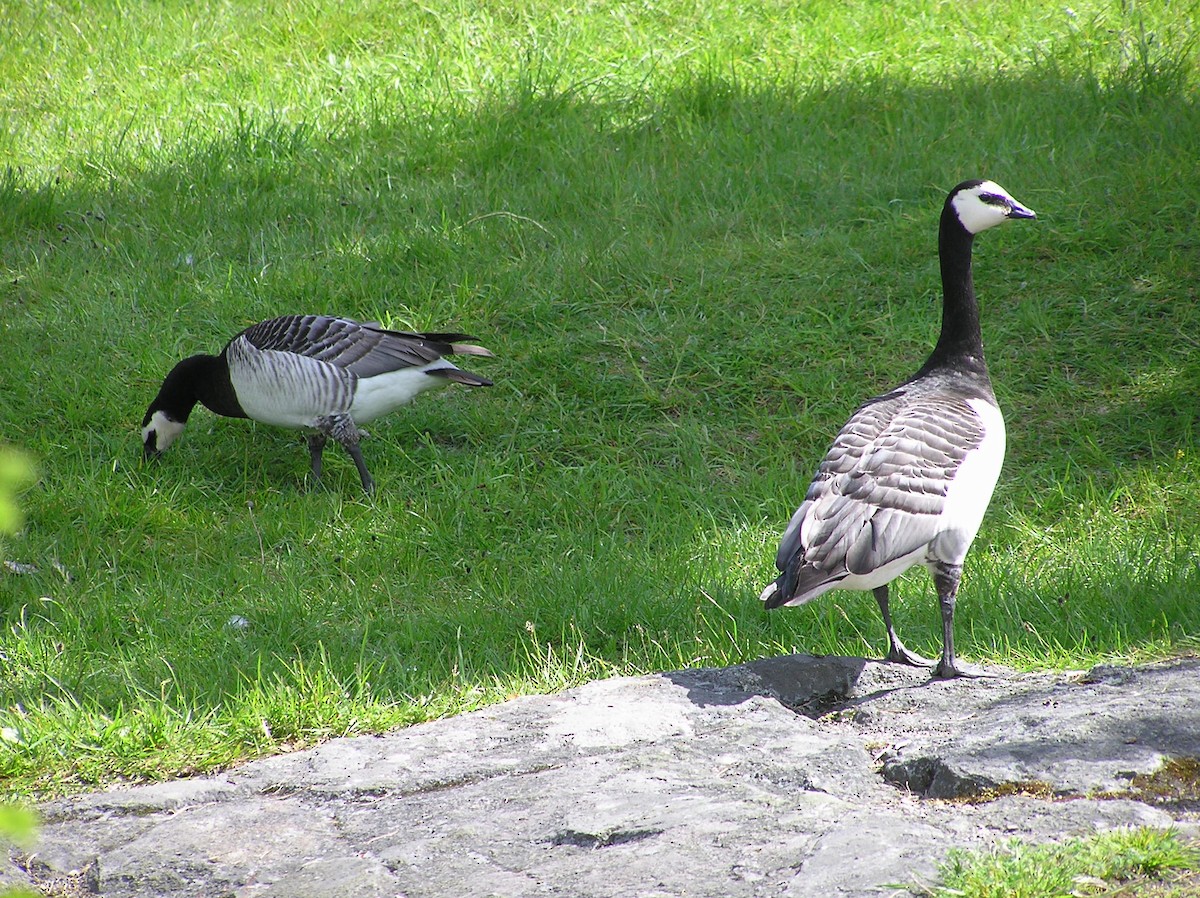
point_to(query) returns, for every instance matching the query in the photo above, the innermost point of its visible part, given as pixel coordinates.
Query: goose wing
(364, 350)
(880, 490)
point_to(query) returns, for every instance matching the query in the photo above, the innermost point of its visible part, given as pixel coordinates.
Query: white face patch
(162, 430)
(986, 205)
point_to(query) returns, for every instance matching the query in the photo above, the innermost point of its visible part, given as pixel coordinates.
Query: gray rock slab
(797, 775)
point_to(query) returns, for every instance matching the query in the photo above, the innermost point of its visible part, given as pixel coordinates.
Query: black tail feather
(458, 376)
(778, 597)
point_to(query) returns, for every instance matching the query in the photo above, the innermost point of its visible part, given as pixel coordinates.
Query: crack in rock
(71, 884)
(931, 777)
(602, 840)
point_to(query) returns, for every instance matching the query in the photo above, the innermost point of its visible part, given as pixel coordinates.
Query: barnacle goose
(909, 477)
(318, 373)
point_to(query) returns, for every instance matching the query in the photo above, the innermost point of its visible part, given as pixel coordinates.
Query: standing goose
(910, 475)
(313, 372)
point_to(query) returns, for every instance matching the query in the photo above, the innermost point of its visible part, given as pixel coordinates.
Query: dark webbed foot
(956, 667)
(899, 654)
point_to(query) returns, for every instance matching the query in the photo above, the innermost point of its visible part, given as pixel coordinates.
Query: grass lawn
(1141, 863)
(696, 236)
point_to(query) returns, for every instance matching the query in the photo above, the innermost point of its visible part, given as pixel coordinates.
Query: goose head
(159, 431)
(168, 413)
(980, 205)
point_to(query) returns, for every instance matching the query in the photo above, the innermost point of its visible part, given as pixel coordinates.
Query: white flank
(384, 393)
(971, 490)
(867, 581)
(165, 430)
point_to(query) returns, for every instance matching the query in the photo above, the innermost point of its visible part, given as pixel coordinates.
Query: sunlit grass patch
(1142, 862)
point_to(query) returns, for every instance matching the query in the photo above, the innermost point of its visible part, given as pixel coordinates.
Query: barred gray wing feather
(363, 350)
(877, 494)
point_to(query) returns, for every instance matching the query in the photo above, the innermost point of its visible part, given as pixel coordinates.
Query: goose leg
(368, 483)
(343, 429)
(946, 578)
(316, 446)
(897, 653)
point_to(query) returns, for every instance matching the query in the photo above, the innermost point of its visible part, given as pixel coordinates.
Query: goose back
(363, 349)
(293, 370)
(911, 470)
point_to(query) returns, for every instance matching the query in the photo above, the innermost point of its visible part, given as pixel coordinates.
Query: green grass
(1134, 863)
(696, 236)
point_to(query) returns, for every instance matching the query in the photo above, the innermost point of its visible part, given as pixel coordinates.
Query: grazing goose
(313, 372)
(910, 475)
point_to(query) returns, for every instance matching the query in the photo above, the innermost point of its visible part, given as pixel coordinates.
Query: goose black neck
(960, 345)
(199, 378)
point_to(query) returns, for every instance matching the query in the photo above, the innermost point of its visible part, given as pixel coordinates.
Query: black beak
(1016, 210)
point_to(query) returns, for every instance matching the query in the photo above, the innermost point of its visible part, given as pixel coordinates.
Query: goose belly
(885, 574)
(866, 581)
(971, 490)
(384, 393)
